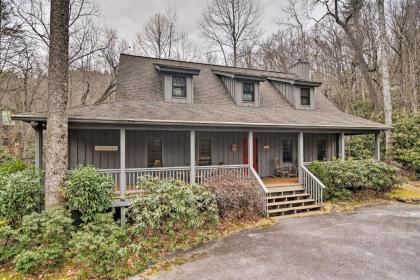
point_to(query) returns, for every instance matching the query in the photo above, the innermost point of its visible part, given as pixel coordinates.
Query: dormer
(299, 93)
(178, 82)
(244, 88)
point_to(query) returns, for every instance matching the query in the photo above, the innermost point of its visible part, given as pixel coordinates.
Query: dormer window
(248, 92)
(179, 86)
(305, 96)
(177, 82)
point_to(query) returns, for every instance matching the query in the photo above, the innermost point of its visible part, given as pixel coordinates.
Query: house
(193, 121)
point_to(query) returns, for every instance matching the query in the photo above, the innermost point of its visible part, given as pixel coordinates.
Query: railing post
(377, 147)
(300, 157)
(250, 149)
(192, 156)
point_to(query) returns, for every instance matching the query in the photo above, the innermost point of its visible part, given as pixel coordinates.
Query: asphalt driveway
(381, 242)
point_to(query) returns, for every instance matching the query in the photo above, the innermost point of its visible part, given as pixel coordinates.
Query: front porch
(274, 159)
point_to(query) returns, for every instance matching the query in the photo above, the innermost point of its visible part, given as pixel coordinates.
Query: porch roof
(162, 113)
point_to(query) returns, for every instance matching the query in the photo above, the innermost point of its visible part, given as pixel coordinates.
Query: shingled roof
(140, 99)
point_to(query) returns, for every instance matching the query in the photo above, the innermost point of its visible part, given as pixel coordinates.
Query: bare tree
(229, 25)
(57, 129)
(158, 35)
(386, 88)
(345, 13)
(111, 56)
(84, 32)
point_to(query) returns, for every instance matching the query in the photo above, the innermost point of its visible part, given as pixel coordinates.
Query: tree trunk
(386, 89)
(57, 133)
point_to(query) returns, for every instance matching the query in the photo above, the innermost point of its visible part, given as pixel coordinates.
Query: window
(154, 152)
(204, 151)
(321, 147)
(179, 86)
(305, 96)
(248, 92)
(287, 150)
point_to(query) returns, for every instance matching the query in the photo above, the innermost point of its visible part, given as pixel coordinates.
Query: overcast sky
(128, 16)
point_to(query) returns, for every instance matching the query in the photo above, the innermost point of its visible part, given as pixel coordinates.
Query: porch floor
(280, 182)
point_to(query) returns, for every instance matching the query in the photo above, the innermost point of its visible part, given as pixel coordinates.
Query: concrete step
(294, 209)
(290, 202)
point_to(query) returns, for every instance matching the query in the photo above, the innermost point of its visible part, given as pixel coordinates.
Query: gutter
(198, 123)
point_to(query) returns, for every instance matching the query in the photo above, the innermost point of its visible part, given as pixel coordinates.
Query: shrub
(236, 198)
(88, 191)
(97, 247)
(20, 193)
(342, 178)
(44, 238)
(171, 206)
(12, 166)
(9, 243)
(406, 142)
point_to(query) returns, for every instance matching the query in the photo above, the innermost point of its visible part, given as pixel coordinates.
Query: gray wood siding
(82, 148)
(310, 145)
(221, 142)
(176, 148)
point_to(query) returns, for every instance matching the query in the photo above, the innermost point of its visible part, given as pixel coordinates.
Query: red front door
(245, 152)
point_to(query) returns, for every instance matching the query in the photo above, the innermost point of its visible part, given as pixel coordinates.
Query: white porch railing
(312, 185)
(263, 190)
(204, 173)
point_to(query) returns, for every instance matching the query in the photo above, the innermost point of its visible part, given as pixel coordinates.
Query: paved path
(381, 242)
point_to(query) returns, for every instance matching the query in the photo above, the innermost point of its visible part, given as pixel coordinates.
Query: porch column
(377, 147)
(38, 147)
(192, 156)
(341, 147)
(122, 162)
(251, 149)
(300, 156)
(122, 174)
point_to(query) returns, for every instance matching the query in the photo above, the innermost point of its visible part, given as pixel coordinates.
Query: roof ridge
(207, 64)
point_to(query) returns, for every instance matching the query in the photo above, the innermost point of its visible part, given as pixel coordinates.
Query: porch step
(282, 189)
(300, 195)
(293, 210)
(290, 202)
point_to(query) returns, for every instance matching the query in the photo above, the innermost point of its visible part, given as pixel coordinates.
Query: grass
(408, 191)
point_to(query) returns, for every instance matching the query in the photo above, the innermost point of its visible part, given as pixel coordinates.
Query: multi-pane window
(287, 150)
(305, 96)
(321, 146)
(204, 151)
(248, 92)
(154, 152)
(179, 86)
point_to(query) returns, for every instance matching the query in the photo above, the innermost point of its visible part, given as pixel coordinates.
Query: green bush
(20, 193)
(171, 205)
(342, 178)
(88, 191)
(44, 238)
(406, 141)
(97, 247)
(12, 166)
(9, 243)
